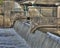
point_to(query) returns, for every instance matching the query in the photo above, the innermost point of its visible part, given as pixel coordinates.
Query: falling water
(36, 40)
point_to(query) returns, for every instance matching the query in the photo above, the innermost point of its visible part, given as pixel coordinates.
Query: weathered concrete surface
(10, 39)
(37, 40)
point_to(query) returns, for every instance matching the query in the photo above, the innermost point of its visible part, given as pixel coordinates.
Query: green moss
(1, 2)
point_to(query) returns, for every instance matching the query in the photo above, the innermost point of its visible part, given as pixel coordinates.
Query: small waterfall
(36, 40)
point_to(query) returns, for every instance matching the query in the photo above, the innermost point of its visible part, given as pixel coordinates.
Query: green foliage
(1, 2)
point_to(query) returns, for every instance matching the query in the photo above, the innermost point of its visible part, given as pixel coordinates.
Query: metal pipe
(41, 5)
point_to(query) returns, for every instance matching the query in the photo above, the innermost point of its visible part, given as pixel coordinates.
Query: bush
(1, 1)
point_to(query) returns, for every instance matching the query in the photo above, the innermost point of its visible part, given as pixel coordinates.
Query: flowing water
(36, 40)
(10, 39)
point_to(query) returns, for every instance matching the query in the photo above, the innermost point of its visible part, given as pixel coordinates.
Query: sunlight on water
(37, 40)
(10, 39)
